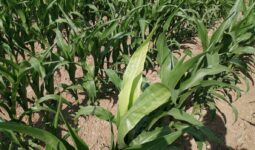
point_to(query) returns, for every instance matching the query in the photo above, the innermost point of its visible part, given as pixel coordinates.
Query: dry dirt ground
(236, 136)
(241, 134)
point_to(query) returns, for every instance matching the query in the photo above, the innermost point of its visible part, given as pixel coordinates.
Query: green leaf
(179, 70)
(69, 21)
(222, 97)
(217, 35)
(153, 97)
(23, 19)
(10, 62)
(244, 50)
(10, 134)
(198, 136)
(79, 143)
(169, 20)
(164, 58)
(109, 30)
(53, 97)
(7, 74)
(40, 134)
(142, 23)
(160, 143)
(90, 87)
(196, 78)
(183, 116)
(145, 137)
(93, 7)
(213, 60)
(95, 110)
(244, 37)
(132, 80)
(58, 111)
(37, 66)
(221, 84)
(114, 78)
(202, 34)
(65, 49)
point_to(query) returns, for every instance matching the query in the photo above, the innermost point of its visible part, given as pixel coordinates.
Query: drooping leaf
(183, 116)
(160, 143)
(179, 70)
(217, 35)
(244, 50)
(200, 74)
(79, 143)
(95, 110)
(40, 134)
(145, 137)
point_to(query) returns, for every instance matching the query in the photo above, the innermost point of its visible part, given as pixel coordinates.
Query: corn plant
(37, 38)
(156, 118)
(80, 29)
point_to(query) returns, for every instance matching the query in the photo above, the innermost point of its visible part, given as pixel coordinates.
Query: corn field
(111, 44)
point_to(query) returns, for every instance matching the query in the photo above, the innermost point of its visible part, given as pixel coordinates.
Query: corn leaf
(40, 134)
(179, 70)
(195, 79)
(146, 137)
(183, 116)
(217, 35)
(132, 80)
(202, 34)
(153, 97)
(160, 143)
(164, 58)
(114, 78)
(79, 143)
(95, 110)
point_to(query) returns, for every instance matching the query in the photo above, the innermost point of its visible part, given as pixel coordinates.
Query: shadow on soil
(218, 127)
